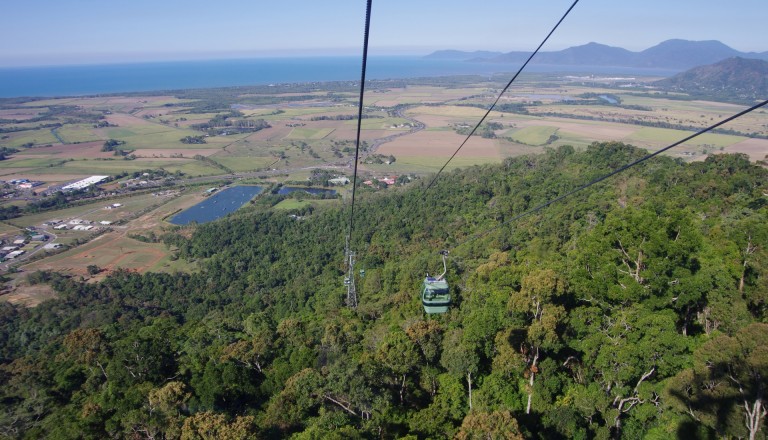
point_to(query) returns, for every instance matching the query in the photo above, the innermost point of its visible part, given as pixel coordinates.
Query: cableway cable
(348, 253)
(488, 112)
(359, 119)
(613, 173)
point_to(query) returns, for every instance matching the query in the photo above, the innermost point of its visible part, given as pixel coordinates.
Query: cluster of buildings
(77, 224)
(12, 249)
(388, 180)
(25, 183)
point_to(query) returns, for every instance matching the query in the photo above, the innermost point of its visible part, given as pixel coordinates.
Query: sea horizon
(154, 76)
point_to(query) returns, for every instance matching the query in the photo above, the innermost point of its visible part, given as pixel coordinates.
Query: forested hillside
(635, 309)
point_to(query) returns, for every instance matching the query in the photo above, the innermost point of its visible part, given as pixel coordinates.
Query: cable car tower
(349, 279)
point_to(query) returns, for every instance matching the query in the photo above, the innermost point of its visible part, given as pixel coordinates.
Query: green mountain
(634, 309)
(740, 79)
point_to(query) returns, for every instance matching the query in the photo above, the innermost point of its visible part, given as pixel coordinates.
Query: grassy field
(38, 137)
(302, 133)
(116, 249)
(532, 135)
(76, 133)
(421, 164)
(655, 136)
(153, 136)
(6, 229)
(109, 252)
(244, 163)
(21, 162)
(191, 167)
(297, 204)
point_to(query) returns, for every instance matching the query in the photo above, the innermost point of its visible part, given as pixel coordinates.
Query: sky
(56, 32)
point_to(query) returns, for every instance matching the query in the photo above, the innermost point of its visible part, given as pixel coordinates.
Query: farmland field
(309, 133)
(415, 128)
(535, 135)
(244, 163)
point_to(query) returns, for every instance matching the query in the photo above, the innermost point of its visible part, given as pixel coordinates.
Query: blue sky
(34, 32)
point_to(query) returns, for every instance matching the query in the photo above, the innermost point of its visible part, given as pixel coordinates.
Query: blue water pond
(216, 206)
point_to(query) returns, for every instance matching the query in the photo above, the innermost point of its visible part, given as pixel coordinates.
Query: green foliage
(193, 140)
(725, 388)
(605, 315)
(111, 145)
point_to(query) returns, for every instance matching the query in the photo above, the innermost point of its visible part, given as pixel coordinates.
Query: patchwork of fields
(55, 141)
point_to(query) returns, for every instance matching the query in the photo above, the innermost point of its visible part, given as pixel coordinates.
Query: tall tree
(726, 387)
(536, 302)
(460, 358)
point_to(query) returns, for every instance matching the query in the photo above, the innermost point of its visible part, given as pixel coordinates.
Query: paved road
(400, 113)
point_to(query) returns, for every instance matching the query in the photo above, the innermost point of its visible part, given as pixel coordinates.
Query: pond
(316, 191)
(217, 206)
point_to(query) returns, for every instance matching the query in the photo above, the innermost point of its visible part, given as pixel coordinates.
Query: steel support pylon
(349, 280)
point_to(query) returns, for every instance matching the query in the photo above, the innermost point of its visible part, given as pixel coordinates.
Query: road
(400, 113)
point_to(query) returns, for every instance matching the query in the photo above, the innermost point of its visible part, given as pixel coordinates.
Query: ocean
(55, 81)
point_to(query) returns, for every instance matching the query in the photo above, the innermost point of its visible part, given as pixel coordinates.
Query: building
(39, 237)
(14, 254)
(85, 183)
(339, 181)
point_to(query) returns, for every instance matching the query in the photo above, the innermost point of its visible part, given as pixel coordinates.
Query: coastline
(84, 80)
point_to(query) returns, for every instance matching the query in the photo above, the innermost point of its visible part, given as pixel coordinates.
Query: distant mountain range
(670, 54)
(734, 78)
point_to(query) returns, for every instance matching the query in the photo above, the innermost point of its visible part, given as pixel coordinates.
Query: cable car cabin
(435, 296)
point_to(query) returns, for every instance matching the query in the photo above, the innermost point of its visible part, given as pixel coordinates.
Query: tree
(88, 346)
(111, 145)
(725, 389)
(495, 425)
(627, 353)
(539, 290)
(427, 335)
(398, 354)
(292, 406)
(445, 411)
(212, 426)
(460, 359)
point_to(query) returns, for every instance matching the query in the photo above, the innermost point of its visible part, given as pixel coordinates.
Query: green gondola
(435, 293)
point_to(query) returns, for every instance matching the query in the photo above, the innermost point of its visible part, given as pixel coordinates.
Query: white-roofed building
(85, 183)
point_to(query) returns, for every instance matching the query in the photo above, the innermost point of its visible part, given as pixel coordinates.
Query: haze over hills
(732, 77)
(670, 54)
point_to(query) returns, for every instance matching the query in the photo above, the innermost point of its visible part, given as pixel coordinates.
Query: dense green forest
(635, 309)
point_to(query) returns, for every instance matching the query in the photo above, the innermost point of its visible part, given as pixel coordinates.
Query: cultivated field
(420, 126)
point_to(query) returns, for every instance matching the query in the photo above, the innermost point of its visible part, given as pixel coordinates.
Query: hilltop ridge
(746, 79)
(675, 54)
